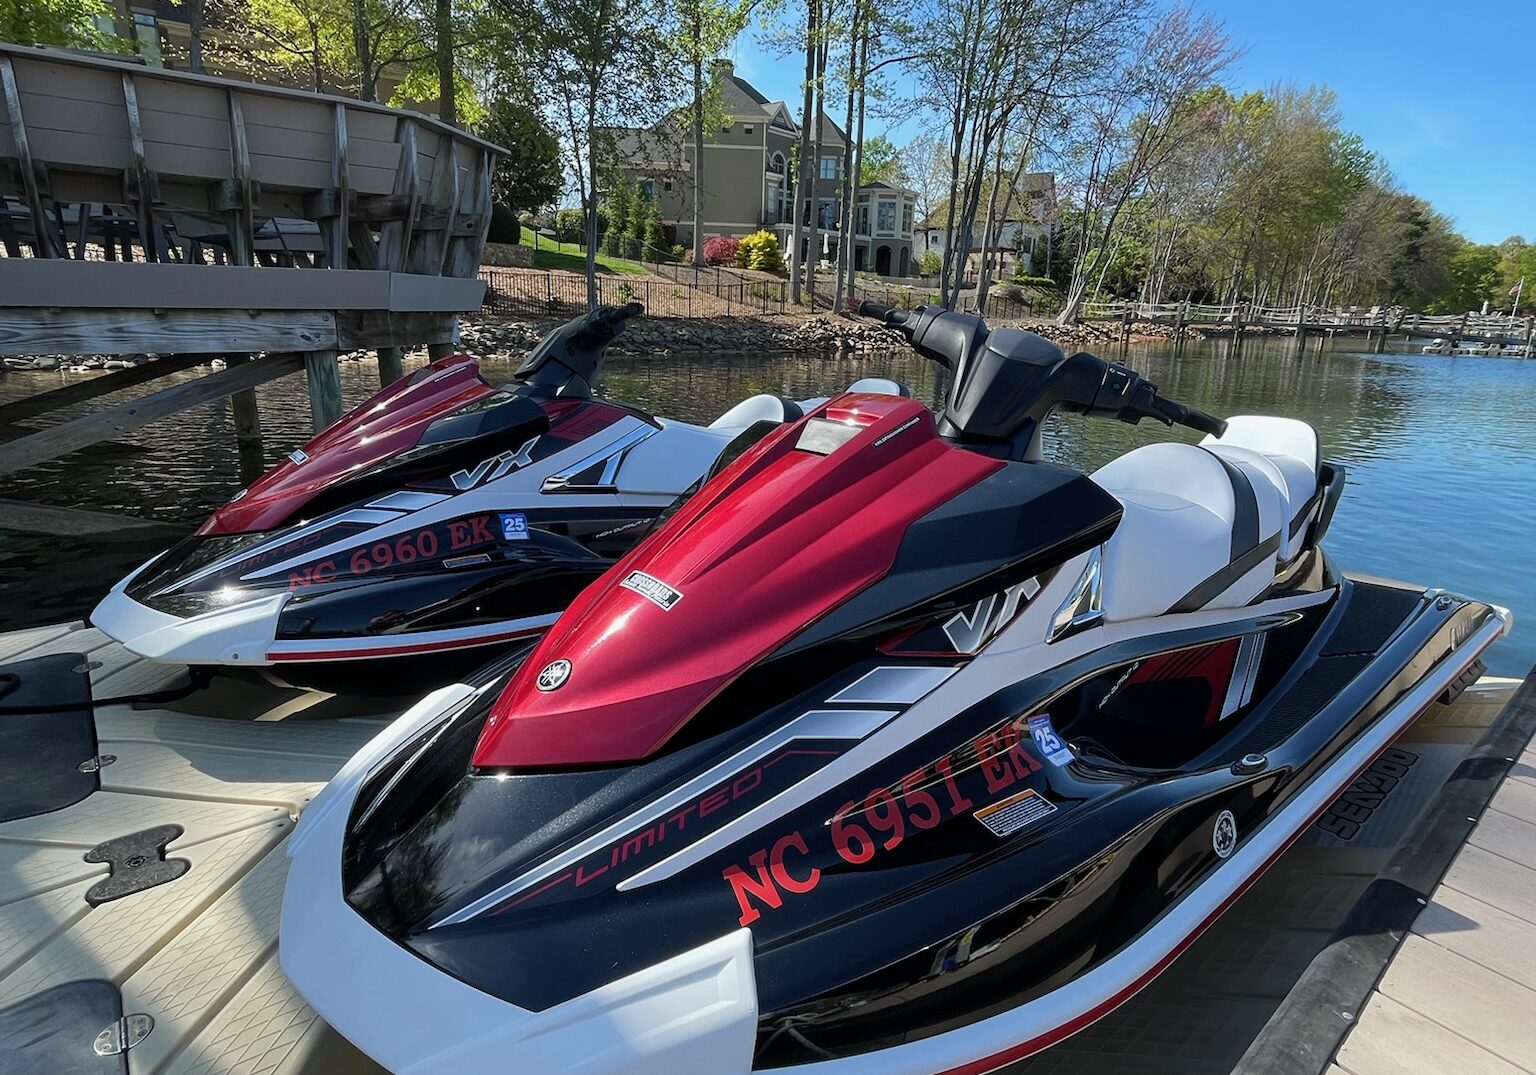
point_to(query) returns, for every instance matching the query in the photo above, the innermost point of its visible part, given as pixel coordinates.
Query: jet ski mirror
(567, 361)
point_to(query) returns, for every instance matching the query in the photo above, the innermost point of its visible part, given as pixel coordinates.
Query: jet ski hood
(392, 422)
(793, 529)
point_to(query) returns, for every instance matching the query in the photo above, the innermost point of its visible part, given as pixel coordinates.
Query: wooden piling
(1529, 322)
(242, 408)
(390, 369)
(322, 373)
(436, 351)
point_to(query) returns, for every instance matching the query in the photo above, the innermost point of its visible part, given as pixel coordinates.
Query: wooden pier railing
(1499, 328)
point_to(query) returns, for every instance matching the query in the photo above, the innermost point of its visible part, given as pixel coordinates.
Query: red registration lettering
(746, 887)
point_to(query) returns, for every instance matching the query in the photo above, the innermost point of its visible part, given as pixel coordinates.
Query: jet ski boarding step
(1286, 981)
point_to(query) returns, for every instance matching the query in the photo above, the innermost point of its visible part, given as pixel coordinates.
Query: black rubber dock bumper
(1306, 1031)
(48, 752)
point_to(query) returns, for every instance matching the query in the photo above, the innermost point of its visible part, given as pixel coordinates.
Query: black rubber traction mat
(54, 1032)
(138, 862)
(47, 729)
(1372, 616)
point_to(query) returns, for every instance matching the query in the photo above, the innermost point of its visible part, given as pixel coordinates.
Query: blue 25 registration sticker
(514, 526)
(1047, 741)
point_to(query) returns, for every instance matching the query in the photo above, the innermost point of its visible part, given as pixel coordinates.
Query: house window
(826, 213)
(666, 185)
(906, 219)
(863, 224)
(885, 217)
(725, 128)
(146, 36)
(748, 128)
(647, 188)
(829, 167)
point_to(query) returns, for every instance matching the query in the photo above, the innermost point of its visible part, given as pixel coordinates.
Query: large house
(1019, 238)
(749, 181)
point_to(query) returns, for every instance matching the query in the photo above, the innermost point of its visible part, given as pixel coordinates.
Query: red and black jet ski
(894, 750)
(440, 517)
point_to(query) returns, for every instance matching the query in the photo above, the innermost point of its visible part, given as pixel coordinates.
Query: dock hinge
(122, 1035)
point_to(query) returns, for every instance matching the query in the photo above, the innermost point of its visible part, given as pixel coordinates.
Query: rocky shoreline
(823, 334)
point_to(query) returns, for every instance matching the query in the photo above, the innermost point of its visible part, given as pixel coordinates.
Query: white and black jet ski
(895, 750)
(442, 515)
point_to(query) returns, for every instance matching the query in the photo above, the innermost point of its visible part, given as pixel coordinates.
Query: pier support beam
(242, 408)
(390, 369)
(436, 351)
(323, 375)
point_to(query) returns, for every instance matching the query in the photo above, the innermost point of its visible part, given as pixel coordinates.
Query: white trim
(894, 684)
(817, 724)
(284, 651)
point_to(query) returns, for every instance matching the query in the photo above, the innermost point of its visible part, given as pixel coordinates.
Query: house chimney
(724, 67)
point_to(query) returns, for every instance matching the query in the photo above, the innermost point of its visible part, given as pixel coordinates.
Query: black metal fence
(690, 293)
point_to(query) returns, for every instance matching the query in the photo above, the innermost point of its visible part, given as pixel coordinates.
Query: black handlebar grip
(876, 310)
(1205, 423)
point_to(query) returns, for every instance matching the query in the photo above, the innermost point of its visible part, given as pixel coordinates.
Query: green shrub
(760, 250)
(569, 224)
(1033, 281)
(504, 225)
(929, 263)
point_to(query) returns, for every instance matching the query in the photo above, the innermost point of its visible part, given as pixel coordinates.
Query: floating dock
(1358, 952)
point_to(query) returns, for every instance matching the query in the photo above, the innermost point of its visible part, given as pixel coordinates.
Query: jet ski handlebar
(1007, 381)
(567, 362)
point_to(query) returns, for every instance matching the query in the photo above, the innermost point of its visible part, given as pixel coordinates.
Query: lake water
(1441, 458)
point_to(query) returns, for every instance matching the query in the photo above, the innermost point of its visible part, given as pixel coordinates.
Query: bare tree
(606, 64)
(997, 66)
(1135, 127)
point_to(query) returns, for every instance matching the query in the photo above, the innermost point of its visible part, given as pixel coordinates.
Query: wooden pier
(145, 211)
(1376, 324)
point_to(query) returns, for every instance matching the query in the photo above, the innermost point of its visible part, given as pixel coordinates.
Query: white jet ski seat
(881, 386)
(1293, 450)
(771, 408)
(765, 407)
(1199, 530)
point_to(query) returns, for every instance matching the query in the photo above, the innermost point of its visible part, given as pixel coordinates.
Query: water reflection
(1439, 454)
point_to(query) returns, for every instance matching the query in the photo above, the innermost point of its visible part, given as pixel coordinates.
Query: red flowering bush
(721, 249)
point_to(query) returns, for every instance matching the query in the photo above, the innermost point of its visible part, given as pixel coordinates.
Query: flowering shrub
(760, 250)
(721, 249)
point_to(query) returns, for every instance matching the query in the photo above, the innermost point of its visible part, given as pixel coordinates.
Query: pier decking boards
(233, 765)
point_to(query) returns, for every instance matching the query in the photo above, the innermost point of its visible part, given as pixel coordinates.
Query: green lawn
(552, 255)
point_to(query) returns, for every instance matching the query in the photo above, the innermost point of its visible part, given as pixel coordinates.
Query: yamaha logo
(1223, 836)
(556, 673)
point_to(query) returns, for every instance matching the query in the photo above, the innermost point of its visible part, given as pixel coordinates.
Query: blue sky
(1440, 89)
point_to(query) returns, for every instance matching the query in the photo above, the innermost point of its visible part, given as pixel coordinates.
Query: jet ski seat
(1293, 449)
(765, 407)
(1199, 530)
(881, 386)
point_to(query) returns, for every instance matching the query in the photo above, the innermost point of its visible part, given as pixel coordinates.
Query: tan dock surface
(198, 954)
(1460, 994)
